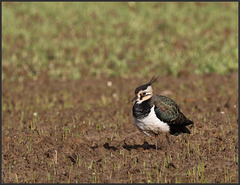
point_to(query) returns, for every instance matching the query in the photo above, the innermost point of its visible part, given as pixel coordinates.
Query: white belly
(151, 123)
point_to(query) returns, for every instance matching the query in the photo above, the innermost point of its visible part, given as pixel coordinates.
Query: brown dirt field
(85, 122)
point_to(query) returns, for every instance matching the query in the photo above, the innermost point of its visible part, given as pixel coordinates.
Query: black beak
(134, 98)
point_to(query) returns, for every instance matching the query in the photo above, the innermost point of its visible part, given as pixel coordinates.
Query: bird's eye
(144, 93)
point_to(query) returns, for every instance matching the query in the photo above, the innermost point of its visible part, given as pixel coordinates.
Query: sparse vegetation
(69, 73)
(117, 39)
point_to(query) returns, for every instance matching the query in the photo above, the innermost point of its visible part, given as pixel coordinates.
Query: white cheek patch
(148, 94)
(149, 89)
(139, 101)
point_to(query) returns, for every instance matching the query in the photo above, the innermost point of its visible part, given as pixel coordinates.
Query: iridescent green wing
(167, 110)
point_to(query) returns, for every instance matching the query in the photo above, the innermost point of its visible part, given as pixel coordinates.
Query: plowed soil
(83, 131)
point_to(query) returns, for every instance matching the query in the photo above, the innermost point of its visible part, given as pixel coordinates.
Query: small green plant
(48, 177)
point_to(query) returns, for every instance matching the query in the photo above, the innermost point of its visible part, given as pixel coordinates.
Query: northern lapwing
(156, 114)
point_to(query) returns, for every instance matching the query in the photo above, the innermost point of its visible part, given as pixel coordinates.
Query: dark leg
(156, 141)
(167, 137)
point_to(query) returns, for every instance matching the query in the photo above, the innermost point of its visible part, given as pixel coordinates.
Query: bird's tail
(188, 122)
(181, 129)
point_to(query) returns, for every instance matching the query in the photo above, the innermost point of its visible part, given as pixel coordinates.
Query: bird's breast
(151, 123)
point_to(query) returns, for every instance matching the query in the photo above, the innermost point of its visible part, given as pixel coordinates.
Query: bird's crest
(154, 78)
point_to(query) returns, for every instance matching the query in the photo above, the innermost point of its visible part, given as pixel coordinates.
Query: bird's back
(168, 111)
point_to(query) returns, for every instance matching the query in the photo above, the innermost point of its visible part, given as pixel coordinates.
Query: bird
(155, 114)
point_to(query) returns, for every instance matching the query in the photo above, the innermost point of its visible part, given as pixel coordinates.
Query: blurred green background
(70, 41)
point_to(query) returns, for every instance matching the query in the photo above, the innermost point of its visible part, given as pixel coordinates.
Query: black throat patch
(142, 110)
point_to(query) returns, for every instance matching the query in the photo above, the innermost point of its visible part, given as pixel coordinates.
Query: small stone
(109, 83)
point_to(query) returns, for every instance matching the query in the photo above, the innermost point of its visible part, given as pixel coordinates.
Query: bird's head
(144, 92)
